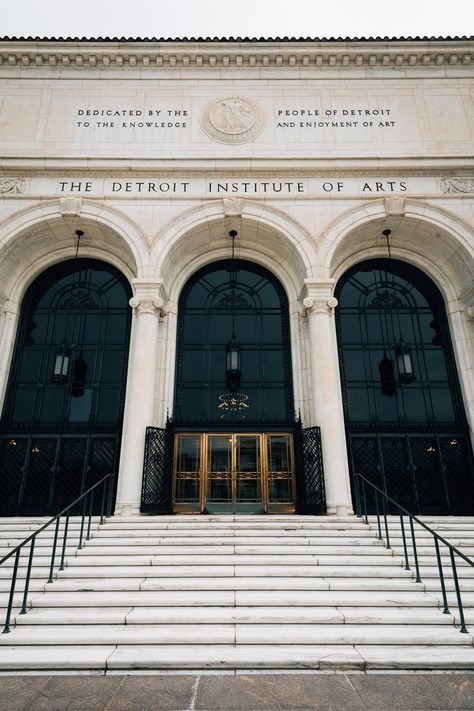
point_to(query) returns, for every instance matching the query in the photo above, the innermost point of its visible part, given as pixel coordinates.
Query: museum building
(233, 273)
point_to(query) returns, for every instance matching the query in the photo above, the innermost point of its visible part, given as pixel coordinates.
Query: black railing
(383, 502)
(86, 503)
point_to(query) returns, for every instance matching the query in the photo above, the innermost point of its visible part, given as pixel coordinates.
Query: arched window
(65, 397)
(243, 300)
(403, 408)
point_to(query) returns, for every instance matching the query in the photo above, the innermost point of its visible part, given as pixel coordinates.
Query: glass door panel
(280, 470)
(248, 474)
(219, 485)
(187, 467)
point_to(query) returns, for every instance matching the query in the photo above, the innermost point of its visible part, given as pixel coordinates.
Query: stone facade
(308, 149)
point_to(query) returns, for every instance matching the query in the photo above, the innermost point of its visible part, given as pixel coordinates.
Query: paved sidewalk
(259, 692)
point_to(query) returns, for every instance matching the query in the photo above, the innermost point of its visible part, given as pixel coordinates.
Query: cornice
(245, 54)
(297, 165)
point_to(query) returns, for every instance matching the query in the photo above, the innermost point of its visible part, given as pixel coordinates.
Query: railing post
(53, 553)
(404, 538)
(81, 533)
(379, 528)
(6, 629)
(386, 524)
(458, 592)
(102, 505)
(110, 493)
(366, 519)
(28, 574)
(91, 505)
(441, 578)
(415, 554)
(63, 551)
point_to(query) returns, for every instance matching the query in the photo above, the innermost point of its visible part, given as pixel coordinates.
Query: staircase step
(282, 598)
(241, 634)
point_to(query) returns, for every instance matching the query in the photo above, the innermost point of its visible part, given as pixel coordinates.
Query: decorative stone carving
(70, 206)
(12, 185)
(320, 305)
(394, 206)
(147, 305)
(457, 185)
(232, 119)
(470, 312)
(233, 207)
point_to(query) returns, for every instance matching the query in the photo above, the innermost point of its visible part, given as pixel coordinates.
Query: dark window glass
(382, 304)
(77, 310)
(256, 307)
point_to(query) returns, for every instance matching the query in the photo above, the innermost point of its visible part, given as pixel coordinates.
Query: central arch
(233, 410)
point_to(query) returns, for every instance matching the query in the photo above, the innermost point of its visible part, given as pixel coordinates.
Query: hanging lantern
(233, 371)
(404, 363)
(387, 377)
(61, 364)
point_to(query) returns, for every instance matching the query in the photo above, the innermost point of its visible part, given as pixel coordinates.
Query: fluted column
(140, 398)
(327, 400)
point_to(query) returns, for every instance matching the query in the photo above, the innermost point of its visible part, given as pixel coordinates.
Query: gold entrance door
(234, 473)
(233, 482)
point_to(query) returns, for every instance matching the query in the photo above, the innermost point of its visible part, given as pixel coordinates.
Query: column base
(127, 510)
(340, 510)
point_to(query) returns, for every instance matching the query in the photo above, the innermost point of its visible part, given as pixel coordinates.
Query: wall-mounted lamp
(61, 364)
(233, 348)
(404, 362)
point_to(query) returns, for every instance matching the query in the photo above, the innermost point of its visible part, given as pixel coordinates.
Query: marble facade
(308, 149)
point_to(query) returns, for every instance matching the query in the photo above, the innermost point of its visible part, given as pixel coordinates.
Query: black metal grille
(310, 492)
(40, 474)
(156, 489)
(429, 473)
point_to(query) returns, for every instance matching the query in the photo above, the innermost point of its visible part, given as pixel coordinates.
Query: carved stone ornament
(320, 305)
(12, 185)
(457, 185)
(232, 120)
(147, 305)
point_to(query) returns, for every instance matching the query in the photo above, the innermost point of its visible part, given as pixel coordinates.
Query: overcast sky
(226, 18)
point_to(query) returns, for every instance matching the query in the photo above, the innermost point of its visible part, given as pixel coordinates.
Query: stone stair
(236, 593)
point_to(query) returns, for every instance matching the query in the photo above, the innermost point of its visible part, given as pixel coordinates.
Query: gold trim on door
(232, 472)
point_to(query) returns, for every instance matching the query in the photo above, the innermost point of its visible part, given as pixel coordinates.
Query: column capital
(147, 305)
(149, 297)
(320, 305)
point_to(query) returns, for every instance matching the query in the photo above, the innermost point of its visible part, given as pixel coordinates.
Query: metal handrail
(362, 501)
(87, 499)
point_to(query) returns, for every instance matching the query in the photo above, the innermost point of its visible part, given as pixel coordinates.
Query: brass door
(234, 473)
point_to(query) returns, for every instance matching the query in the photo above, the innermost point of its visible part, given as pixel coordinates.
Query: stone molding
(325, 55)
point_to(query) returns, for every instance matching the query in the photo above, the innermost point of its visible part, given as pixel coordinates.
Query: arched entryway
(62, 418)
(405, 422)
(234, 414)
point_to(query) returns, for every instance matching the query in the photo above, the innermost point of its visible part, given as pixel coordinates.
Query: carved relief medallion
(12, 185)
(457, 185)
(232, 120)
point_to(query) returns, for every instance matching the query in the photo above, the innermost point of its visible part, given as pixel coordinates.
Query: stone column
(327, 400)
(140, 398)
(8, 327)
